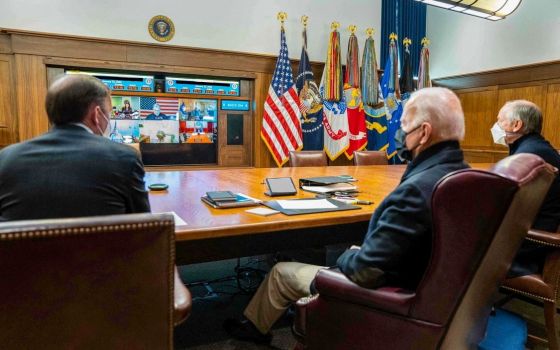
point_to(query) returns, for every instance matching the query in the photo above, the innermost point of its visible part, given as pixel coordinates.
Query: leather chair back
(308, 158)
(475, 240)
(370, 158)
(479, 221)
(90, 283)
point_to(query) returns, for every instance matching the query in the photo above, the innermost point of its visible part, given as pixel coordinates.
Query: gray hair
(439, 107)
(529, 113)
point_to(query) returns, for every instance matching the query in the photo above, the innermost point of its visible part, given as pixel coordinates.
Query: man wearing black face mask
(397, 245)
(72, 170)
(519, 126)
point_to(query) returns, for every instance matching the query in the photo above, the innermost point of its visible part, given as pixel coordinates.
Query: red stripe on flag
(273, 126)
(271, 146)
(292, 116)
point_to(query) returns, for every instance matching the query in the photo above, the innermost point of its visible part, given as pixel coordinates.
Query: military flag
(376, 124)
(357, 137)
(332, 75)
(335, 118)
(369, 80)
(281, 128)
(311, 104)
(424, 66)
(391, 96)
(406, 81)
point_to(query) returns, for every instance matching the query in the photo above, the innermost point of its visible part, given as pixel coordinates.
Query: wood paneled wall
(24, 57)
(483, 94)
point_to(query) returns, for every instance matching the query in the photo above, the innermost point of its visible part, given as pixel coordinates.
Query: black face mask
(404, 153)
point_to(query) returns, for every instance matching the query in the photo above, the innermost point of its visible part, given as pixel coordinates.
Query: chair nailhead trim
(528, 294)
(79, 230)
(542, 242)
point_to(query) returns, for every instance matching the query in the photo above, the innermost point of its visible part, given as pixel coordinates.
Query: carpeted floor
(203, 329)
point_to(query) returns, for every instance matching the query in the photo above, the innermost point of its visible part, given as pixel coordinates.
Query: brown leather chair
(543, 287)
(479, 221)
(370, 158)
(308, 158)
(104, 282)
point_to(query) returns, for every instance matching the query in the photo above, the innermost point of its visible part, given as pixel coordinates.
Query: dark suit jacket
(530, 258)
(69, 172)
(397, 246)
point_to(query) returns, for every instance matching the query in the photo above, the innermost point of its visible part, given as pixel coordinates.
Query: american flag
(168, 106)
(281, 126)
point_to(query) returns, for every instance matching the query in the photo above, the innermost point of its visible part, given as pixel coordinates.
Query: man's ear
(517, 125)
(426, 133)
(91, 118)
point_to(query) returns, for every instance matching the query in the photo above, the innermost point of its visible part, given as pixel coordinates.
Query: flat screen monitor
(164, 126)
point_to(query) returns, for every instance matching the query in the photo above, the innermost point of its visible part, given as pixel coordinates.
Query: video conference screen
(139, 119)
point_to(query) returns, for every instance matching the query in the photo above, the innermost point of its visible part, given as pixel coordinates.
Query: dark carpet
(226, 298)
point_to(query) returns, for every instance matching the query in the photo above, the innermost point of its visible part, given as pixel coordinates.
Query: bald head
(70, 98)
(525, 111)
(438, 107)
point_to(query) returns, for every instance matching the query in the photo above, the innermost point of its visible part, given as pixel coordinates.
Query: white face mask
(498, 134)
(107, 132)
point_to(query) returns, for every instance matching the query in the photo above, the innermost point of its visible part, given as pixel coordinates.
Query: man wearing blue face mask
(519, 127)
(72, 170)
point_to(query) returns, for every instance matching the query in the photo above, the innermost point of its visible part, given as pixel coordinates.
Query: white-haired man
(397, 245)
(519, 127)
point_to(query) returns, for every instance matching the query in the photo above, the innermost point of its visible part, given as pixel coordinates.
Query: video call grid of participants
(139, 119)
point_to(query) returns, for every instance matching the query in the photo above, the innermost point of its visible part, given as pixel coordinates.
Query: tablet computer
(280, 186)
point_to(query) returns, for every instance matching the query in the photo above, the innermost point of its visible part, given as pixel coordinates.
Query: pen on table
(361, 202)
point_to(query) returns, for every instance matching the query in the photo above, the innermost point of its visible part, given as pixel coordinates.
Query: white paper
(306, 204)
(262, 211)
(178, 220)
(329, 188)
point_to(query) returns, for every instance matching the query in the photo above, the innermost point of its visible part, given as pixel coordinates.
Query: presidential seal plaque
(161, 28)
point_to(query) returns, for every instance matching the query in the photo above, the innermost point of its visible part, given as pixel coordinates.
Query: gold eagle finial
(282, 17)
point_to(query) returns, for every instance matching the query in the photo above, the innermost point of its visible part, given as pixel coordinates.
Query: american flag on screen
(281, 126)
(168, 106)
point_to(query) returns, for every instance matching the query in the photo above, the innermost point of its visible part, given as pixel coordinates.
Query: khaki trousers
(285, 284)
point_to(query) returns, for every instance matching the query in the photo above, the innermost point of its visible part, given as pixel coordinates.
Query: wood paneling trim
(5, 43)
(57, 45)
(8, 119)
(141, 67)
(511, 75)
(35, 45)
(31, 90)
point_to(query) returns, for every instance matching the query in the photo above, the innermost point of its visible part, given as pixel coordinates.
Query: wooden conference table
(215, 234)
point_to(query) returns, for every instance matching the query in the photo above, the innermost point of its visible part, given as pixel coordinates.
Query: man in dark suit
(156, 114)
(72, 170)
(519, 127)
(397, 245)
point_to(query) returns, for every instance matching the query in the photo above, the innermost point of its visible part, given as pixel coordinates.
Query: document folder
(324, 180)
(338, 206)
(326, 184)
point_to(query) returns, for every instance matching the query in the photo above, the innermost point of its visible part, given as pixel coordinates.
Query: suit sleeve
(404, 220)
(138, 198)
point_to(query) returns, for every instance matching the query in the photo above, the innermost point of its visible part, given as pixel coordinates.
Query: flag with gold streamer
(424, 67)
(311, 103)
(391, 96)
(357, 137)
(333, 73)
(370, 79)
